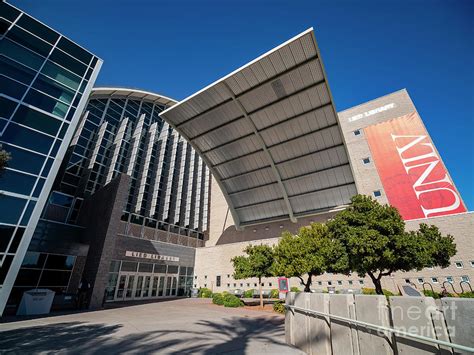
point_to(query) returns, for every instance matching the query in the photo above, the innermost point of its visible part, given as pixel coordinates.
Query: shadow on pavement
(227, 335)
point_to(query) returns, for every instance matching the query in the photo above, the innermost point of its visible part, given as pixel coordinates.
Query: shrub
(279, 307)
(274, 293)
(205, 293)
(218, 298)
(436, 295)
(232, 301)
(371, 291)
(295, 289)
(467, 295)
(248, 294)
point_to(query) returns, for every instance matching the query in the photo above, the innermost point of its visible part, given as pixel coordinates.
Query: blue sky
(370, 48)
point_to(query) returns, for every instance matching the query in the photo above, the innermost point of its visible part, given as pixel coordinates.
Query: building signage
(371, 112)
(413, 176)
(139, 254)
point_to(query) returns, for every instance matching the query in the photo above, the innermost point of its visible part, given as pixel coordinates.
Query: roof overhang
(270, 135)
(137, 94)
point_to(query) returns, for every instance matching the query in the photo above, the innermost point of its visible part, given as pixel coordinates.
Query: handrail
(382, 328)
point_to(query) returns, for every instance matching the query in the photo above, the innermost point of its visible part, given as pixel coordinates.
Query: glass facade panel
(29, 41)
(12, 88)
(20, 54)
(68, 62)
(74, 50)
(40, 30)
(11, 208)
(16, 71)
(37, 120)
(16, 182)
(62, 75)
(46, 103)
(60, 262)
(34, 260)
(27, 138)
(53, 88)
(6, 108)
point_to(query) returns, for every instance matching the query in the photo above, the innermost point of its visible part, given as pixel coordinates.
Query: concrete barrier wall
(451, 319)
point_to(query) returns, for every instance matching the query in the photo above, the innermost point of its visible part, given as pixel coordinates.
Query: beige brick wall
(215, 260)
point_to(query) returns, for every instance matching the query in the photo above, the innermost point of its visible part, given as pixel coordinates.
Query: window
(350, 282)
(377, 193)
(218, 281)
(357, 132)
(449, 279)
(361, 282)
(195, 277)
(434, 280)
(407, 281)
(248, 285)
(465, 278)
(235, 285)
(420, 280)
(228, 285)
(228, 275)
(270, 284)
(459, 264)
(254, 285)
(366, 160)
(329, 283)
(320, 283)
(471, 262)
(36, 119)
(205, 276)
(339, 282)
(205, 285)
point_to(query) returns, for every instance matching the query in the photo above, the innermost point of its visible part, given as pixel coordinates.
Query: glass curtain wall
(45, 80)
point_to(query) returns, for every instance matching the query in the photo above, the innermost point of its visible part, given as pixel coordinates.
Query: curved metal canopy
(138, 94)
(270, 136)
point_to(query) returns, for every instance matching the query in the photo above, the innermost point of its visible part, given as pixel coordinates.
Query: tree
(4, 158)
(377, 244)
(258, 263)
(311, 252)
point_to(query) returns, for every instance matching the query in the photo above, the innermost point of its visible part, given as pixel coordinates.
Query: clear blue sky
(370, 48)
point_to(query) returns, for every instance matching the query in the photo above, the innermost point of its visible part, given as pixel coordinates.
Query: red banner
(412, 173)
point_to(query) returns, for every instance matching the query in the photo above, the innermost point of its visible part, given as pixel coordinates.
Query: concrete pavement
(185, 326)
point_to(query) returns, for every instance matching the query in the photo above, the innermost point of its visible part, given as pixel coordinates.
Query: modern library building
(146, 197)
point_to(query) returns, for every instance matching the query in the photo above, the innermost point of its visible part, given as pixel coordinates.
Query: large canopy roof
(137, 94)
(270, 135)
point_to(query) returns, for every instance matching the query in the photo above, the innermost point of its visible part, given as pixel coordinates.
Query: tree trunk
(377, 283)
(308, 283)
(260, 288)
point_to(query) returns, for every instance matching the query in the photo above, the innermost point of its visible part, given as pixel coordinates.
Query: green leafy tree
(309, 253)
(377, 244)
(258, 263)
(5, 157)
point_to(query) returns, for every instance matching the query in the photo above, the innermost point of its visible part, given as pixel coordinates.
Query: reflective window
(37, 28)
(6, 233)
(37, 120)
(11, 208)
(29, 209)
(129, 266)
(16, 71)
(68, 62)
(12, 88)
(60, 262)
(20, 54)
(54, 278)
(27, 277)
(74, 50)
(53, 88)
(46, 103)
(24, 38)
(14, 181)
(27, 138)
(6, 107)
(63, 76)
(9, 12)
(34, 260)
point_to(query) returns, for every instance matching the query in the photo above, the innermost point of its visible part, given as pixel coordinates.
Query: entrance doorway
(135, 286)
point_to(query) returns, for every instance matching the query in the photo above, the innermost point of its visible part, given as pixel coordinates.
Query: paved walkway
(185, 326)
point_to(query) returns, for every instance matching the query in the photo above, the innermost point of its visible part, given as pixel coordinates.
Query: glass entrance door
(126, 284)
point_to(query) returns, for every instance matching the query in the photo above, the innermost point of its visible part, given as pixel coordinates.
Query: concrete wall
(320, 334)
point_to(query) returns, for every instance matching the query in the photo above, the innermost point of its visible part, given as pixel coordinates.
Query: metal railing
(383, 329)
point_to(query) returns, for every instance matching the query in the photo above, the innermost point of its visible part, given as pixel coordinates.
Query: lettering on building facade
(141, 255)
